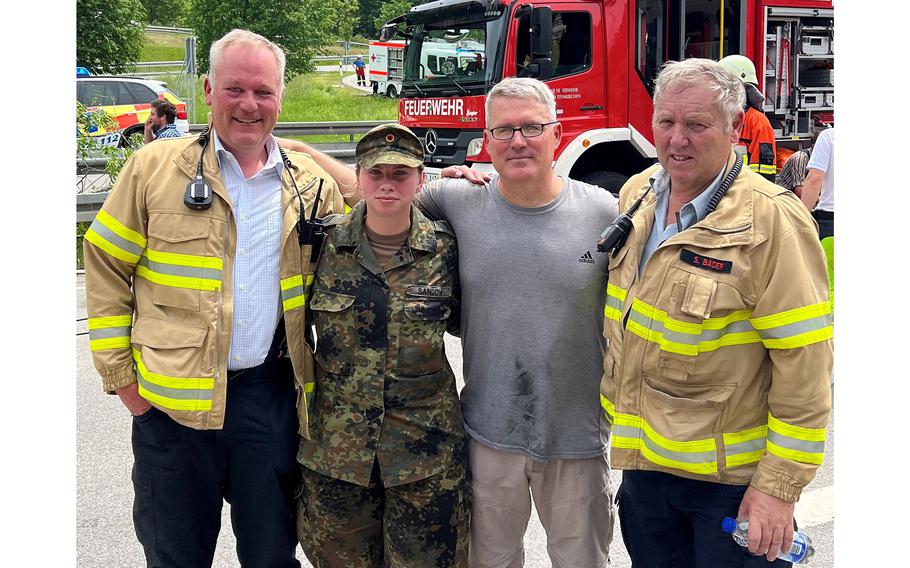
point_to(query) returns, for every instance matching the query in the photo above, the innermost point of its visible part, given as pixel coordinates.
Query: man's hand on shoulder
(132, 400)
(770, 523)
(465, 172)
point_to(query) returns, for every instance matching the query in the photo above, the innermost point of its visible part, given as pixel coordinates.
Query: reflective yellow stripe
(178, 281)
(797, 327)
(806, 445)
(109, 343)
(631, 432)
(110, 321)
(687, 338)
(767, 169)
(293, 293)
(608, 408)
(175, 393)
(184, 259)
(114, 238)
(616, 297)
(180, 270)
(120, 229)
(109, 332)
(745, 447)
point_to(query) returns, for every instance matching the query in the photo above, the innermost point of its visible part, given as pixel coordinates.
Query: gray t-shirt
(532, 291)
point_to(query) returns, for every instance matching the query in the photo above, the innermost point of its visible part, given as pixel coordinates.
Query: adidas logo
(586, 258)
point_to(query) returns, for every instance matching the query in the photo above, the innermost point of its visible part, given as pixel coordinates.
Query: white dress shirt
(256, 203)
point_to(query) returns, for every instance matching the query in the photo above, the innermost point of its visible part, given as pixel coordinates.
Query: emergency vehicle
(128, 101)
(386, 66)
(600, 58)
(440, 57)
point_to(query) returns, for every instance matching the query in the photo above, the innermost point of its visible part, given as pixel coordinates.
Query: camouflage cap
(389, 144)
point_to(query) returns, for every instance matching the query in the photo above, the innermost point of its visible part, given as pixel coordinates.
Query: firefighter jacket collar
(730, 224)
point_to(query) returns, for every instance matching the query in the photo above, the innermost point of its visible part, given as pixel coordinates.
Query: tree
(109, 34)
(167, 12)
(389, 10)
(300, 27)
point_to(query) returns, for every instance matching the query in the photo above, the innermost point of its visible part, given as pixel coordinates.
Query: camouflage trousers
(424, 523)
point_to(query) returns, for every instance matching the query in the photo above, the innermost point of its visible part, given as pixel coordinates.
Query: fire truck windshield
(458, 60)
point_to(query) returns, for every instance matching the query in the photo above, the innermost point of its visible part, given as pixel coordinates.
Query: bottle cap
(729, 525)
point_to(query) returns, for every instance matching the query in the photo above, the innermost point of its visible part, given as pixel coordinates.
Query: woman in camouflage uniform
(384, 471)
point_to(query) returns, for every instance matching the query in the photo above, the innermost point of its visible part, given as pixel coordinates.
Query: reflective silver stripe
(614, 302)
(182, 394)
(689, 338)
(684, 457)
(115, 239)
(795, 444)
(177, 270)
(108, 332)
(796, 328)
(745, 447)
(292, 293)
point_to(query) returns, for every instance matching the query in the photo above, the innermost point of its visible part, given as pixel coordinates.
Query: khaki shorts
(573, 501)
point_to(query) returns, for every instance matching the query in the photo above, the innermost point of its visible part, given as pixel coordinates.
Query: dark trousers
(181, 475)
(825, 220)
(672, 522)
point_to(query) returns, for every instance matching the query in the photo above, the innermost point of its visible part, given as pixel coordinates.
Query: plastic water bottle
(800, 551)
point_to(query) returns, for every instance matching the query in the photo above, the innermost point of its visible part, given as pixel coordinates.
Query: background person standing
(818, 191)
(757, 136)
(160, 123)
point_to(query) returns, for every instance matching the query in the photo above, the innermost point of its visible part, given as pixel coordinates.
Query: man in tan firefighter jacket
(757, 136)
(189, 290)
(717, 374)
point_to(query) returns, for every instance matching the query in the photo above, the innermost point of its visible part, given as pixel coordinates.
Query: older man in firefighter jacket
(717, 375)
(189, 294)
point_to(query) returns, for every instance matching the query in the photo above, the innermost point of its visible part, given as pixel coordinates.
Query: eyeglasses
(527, 130)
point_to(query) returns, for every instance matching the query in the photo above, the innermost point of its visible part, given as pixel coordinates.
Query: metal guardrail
(314, 128)
(167, 30)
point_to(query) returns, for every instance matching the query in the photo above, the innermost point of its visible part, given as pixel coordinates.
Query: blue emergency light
(82, 72)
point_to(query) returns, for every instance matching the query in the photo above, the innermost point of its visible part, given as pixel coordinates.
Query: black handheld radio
(198, 192)
(614, 236)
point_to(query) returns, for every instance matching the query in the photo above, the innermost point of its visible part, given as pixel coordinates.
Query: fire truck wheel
(392, 92)
(611, 181)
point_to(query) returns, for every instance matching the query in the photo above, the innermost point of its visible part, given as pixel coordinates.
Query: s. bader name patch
(706, 262)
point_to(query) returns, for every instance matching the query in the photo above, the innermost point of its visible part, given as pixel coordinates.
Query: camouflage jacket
(384, 388)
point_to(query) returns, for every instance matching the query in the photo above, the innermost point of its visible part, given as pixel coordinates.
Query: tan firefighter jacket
(720, 353)
(158, 281)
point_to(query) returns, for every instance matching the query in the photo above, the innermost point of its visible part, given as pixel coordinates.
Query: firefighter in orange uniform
(757, 136)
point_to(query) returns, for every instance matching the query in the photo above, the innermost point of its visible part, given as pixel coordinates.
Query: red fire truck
(600, 58)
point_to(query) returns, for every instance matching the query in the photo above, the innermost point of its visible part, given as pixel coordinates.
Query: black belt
(822, 214)
(277, 351)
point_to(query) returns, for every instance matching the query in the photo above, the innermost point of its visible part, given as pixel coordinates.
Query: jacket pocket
(176, 263)
(174, 366)
(683, 422)
(421, 349)
(336, 329)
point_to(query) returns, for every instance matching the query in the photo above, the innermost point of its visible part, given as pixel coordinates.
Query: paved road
(104, 532)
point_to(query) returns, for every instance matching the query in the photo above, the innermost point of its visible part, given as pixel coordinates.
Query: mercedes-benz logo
(430, 140)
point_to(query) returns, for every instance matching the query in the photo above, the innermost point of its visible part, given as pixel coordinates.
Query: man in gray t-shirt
(533, 290)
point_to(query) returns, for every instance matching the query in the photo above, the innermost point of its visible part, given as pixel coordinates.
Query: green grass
(163, 47)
